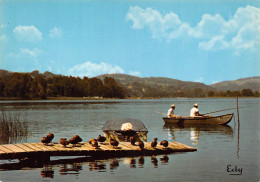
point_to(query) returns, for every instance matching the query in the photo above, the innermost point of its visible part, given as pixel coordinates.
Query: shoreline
(101, 98)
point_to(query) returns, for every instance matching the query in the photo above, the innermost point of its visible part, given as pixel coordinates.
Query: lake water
(225, 153)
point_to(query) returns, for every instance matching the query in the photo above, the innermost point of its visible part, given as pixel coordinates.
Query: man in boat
(171, 112)
(195, 111)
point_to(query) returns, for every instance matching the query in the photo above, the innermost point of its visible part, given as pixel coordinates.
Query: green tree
(247, 92)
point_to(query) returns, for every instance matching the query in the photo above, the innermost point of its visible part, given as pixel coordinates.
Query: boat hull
(200, 120)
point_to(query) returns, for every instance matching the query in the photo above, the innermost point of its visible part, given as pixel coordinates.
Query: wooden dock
(38, 151)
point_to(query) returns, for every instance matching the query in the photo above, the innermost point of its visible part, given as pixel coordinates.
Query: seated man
(170, 113)
(195, 111)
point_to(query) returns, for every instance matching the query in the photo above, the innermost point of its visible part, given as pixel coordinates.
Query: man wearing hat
(171, 112)
(195, 111)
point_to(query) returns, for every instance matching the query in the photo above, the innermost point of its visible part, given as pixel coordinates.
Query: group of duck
(76, 139)
(154, 143)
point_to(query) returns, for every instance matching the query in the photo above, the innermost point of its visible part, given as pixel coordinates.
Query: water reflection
(70, 168)
(47, 172)
(74, 166)
(154, 161)
(197, 130)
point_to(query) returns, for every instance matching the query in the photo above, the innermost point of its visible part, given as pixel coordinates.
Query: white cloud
(160, 26)
(200, 80)
(240, 32)
(33, 53)
(55, 33)
(134, 73)
(92, 69)
(27, 33)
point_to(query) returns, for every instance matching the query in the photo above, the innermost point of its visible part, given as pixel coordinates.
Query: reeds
(12, 127)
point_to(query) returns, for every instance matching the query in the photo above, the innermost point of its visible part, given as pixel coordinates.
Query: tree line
(171, 91)
(39, 86)
(200, 93)
(28, 86)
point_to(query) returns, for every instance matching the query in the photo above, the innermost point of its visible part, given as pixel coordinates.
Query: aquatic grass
(12, 127)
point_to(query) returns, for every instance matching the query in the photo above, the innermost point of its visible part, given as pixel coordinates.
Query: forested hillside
(35, 85)
(41, 86)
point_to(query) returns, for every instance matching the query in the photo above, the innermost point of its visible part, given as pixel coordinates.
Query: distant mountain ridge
(252, 83)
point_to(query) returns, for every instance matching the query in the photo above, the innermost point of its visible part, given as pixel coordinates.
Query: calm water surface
(223, 151)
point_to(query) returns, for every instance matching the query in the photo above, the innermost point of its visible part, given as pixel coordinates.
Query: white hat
(196, 105)
(173, 105)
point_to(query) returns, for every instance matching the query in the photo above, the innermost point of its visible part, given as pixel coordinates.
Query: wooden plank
(24, 147)
(14, 148)
(128, 146)
(60, 147)
(2, 152)
(5, 149)
(49, 147)
(124, 146)
(88, 146)
(181, 146)
(147, 146)
(174, 145)
(81, 147)
(106, 147)
(159, 147)
(30, 145)
(43, 147)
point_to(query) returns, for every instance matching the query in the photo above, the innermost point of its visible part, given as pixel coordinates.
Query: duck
(93, 142)
(50, 136)
(74, 140)
(45, 140)
(154, 143)
(64, 142)
(77, 138)
(101, 138)
(164, 143)
(114, 143)
(132, 140)
(141, 145)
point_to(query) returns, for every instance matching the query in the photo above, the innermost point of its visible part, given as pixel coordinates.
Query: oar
(225, 110)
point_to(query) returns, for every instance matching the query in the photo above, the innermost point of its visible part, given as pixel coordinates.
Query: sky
(205, 41)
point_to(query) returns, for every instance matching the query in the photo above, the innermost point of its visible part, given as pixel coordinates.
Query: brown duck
(93, 142)
(114, 143)
(46, 140)
(141, 145)
(50, 136)
(75, 140)
(154, 143)
(101, 138)
(132, 140)
(64, 142)
(164, 143)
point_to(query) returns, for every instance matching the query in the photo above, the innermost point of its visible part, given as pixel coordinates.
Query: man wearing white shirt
(195, 111)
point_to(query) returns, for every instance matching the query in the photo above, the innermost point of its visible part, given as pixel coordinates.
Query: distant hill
(252, 83)
(158, 86)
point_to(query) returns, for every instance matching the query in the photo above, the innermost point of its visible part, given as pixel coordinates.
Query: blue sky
(202, 41)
